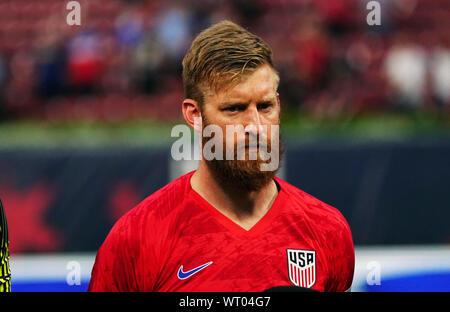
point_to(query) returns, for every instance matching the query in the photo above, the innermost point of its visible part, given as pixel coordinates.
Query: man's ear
(191, 111)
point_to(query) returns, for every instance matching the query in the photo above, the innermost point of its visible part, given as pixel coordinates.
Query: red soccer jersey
(175, 240)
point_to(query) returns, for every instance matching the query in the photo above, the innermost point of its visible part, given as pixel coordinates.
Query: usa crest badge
(302, 267)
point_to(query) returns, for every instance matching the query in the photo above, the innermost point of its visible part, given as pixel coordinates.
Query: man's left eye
(264, 105)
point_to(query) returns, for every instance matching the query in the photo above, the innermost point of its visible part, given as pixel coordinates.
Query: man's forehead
(260, 85)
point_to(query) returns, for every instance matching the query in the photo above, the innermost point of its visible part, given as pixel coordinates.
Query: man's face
(252, 104)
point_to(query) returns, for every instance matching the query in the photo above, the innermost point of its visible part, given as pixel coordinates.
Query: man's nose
(253, 121)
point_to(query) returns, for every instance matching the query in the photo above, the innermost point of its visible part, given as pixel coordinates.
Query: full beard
(244, 175)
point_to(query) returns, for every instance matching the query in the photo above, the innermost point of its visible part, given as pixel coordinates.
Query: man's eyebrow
(269, 100)
(232, 103)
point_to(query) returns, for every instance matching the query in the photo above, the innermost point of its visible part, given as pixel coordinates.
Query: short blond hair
(221, 55)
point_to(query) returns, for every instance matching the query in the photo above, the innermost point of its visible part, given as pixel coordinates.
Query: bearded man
(231, 225)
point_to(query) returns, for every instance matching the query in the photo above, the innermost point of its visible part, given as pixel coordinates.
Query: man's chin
(244, 175)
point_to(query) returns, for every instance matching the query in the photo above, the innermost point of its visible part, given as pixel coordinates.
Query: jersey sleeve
(342, 258)
(113, 269)
(5, 271)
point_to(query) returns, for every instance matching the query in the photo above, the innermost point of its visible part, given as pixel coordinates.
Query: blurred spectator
(358, 55)
(116, 76)
(440, 74)
(405, 69)
(173, 30)
(338, 15)
(3, 75)
(147, 62)
(50, 69)
(129, 28)
(49, 51)
(312, 50)
(311, 57)
(21, 81)
(325, 52)
(219, 11)
(85, 62)
(250, 11)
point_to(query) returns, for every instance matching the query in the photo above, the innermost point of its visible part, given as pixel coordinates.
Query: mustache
(248, 143)
(254, 141)
(243, 147)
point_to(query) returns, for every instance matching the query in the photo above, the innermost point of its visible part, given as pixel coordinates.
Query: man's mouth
(255, 148)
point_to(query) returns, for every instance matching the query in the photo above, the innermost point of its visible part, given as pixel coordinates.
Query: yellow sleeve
(5, 271)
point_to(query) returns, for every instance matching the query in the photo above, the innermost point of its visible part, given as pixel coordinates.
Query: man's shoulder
(324, 219)
(161, 202)
(311, 206)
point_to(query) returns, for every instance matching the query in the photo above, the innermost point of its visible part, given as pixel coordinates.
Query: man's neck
(245, 208)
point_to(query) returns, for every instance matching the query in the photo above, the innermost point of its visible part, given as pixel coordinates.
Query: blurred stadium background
(86, 113)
